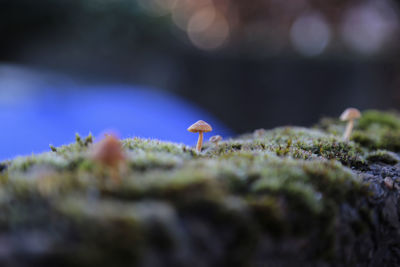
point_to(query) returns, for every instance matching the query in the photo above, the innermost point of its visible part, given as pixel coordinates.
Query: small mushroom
(200, 127)
(349, 115)
(215, 139)
(109, 153)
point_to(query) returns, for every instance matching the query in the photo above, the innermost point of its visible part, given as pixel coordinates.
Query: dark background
(251, 64)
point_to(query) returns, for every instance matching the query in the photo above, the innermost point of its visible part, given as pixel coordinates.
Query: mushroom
(215, 139)
(349, 115)
(109, 153)
(200, 127)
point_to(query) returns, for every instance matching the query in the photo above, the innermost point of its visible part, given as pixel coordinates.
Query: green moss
(294, 142)
(374, 118)
(374, 130)
(383, 156)
(152, 145)
(79, 145)
(282, 182)
(45, 160)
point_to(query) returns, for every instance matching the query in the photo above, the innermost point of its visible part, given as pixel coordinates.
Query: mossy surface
(285, 182)
(374, 130)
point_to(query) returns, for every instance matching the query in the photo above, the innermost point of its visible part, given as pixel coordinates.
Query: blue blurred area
(53, 116)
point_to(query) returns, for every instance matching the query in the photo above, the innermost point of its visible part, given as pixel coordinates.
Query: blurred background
(150, 68)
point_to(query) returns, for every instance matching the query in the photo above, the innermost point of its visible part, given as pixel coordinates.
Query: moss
(45, 160)
(152, 145)
(374, 118)
(375, 130)
(383, 156)
(287, 181)
(79, 145)
(294, 142)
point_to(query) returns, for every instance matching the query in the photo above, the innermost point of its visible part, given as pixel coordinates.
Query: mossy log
(289, 196)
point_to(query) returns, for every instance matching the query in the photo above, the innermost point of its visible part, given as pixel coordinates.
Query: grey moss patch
(286, 182)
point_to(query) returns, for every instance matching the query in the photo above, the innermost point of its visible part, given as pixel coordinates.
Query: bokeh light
(310, 34)
(208, 29)
(185, 9)
(368, 28)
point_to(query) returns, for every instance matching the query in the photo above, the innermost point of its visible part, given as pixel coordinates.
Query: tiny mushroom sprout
(200, 127)
(349, 115)
(109, 153)
(215, 139)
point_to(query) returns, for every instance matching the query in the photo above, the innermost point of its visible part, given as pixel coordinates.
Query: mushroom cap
(215, 138)
(108, 151)
(350, 114)
(200, 126)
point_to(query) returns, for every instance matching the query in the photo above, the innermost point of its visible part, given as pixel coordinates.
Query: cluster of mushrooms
(109, 153)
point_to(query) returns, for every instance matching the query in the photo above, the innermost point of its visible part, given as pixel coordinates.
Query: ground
(277, 197)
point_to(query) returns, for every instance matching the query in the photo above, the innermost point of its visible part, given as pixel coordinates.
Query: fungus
(200, 127)
(349, 115)
(215, 139)
(109, 153)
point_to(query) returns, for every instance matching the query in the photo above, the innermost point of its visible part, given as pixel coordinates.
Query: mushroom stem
(199, 141)
(114, 173)
(349, 128)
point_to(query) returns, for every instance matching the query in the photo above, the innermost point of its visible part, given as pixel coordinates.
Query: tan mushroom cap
(200, 126)
(350, 114)
(108, 151)
(215, 138)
